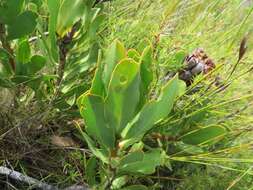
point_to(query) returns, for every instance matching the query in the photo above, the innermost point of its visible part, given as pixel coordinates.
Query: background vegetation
(38, 134)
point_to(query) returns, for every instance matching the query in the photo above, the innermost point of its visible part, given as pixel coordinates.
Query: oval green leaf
(123, 94)
(204, 135)
(23, 25)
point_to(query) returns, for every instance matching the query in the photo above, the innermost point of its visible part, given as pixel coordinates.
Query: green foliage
(140, 162)
(69, 14)
(115, 53)
(142, 126)
(189, 129)
(91, 171)
(23, 51)
(71, 28)
(92, 108)
(153, 111)
(23, 25)
(135, 187)
(116, 120)
(53, 8)
(204, 135)
(9, 10)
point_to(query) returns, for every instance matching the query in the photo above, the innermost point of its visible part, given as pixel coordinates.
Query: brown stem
(7, 46)
(63, 50)
(63, 54)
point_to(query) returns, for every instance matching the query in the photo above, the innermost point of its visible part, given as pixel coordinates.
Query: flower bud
(199, 68)
(191, 63)
(185, 75)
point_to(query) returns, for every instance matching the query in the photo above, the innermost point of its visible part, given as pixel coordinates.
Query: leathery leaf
(123, 94)
(92, 109)
(152, 112)
(204, 135)
(140, 162)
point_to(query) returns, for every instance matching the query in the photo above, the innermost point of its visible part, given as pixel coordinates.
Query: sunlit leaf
(23, 51)
(53, 7)
(114, 54)
(146, 62)
(119, 182)
(133, 54)
(123, 94)
(92, 109)
(153, 111)
(97, 83)
(69, 13)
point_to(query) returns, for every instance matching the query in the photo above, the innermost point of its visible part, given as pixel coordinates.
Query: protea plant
(118, 112)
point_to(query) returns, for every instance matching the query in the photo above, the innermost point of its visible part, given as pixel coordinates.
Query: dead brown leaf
(63, 141)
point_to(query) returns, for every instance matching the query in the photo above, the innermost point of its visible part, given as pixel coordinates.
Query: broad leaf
(21, 79)
(204, 135)
(6, 70)
(133, 54)
(146, 74)
(179, 57)
(146, 61)
(53, 7)
(152, 112)
(181, 88)
(114, 54)
(70, 12)
(91, 171)
(119, 182)
(9, 10)
(92, 109)
(140, 162)
(36, 64)
(123, 94)
(24, 24)
(97, 83)
(71, 100)
(23, 51)
(91, 144)
(94, 26)
(143, 44)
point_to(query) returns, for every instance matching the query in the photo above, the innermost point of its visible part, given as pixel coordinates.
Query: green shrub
(120, 111)
(48, 47)
(141, 129)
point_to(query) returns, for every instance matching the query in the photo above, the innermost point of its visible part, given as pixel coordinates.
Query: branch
(26, 179)
(35, 38)
(63, 51)
(34, 182)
